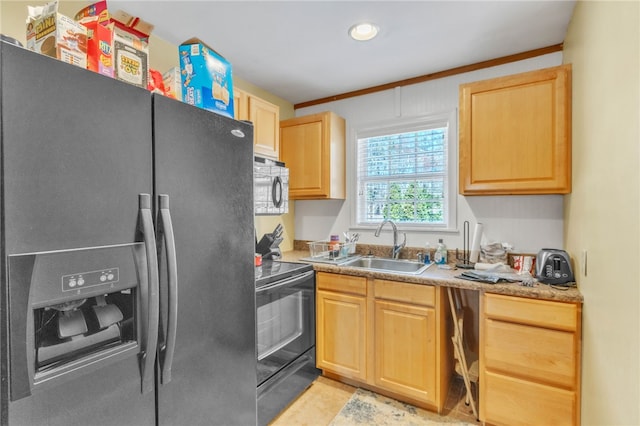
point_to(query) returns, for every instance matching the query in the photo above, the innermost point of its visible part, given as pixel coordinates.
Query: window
(404, 173)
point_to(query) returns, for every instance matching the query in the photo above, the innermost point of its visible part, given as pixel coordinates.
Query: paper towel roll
(475, 245)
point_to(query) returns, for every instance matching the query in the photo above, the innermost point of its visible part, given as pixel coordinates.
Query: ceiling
(300, 50)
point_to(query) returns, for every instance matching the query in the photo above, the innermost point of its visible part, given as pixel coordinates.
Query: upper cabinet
(313, 148)
(265, 117)
(515, 134)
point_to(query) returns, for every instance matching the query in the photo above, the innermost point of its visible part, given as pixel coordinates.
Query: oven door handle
(286, 282)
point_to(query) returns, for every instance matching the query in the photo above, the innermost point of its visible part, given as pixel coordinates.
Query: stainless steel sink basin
(388, 265)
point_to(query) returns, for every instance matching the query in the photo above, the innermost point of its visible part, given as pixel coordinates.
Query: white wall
(602, 214)
(527, 222)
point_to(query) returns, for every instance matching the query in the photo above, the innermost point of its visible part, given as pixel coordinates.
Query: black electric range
(285, 334)
(276, 270)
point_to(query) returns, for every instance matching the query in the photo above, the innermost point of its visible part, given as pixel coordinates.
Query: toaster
(553, 266)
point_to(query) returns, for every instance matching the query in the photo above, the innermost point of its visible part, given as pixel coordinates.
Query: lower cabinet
(393, 338)
(405, 355)
(529, 361)
(341, 335)
(384, 335)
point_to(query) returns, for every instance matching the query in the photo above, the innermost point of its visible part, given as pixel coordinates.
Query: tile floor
(320, 403)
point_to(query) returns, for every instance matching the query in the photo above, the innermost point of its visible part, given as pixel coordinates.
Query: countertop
(447, 278)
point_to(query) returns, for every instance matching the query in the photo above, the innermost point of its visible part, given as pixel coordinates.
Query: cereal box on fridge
(53, 34)
(99, 46)
(97, 20)
(173, 83)
(206, 78)
(131, 48)
(131, 55)
(98, 8)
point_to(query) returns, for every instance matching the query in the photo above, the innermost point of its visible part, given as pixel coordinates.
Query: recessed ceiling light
(364, 31)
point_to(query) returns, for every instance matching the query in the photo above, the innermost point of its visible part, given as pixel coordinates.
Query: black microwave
(270, 187)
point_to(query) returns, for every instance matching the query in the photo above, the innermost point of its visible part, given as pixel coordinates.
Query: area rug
(368, 408)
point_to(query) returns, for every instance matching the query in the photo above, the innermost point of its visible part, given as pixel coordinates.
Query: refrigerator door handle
(149, 298)
(166, 240)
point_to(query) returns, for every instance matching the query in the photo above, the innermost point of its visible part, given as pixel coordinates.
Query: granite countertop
(447, 278)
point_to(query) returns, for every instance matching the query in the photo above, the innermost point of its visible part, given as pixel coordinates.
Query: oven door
(285, 322)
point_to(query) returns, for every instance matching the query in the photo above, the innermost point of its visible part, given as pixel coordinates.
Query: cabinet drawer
(341, 283)
(509, 401)
(542, 313)
(417, 294)
(539, 354)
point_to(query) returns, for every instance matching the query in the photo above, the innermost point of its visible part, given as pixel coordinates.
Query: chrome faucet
(395, 252)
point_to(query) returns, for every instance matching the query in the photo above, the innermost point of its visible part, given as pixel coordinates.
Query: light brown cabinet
(515, 134)
(407, 345)
(384, 335)
(265, 117)
(341, 325)
(529, 361)
(240, 104)
(313, 148)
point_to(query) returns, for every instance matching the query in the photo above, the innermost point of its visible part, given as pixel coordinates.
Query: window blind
(402, 176)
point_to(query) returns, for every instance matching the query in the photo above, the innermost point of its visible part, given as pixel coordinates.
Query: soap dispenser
(440, 256)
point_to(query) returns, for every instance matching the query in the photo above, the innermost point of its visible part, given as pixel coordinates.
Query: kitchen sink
(388, 265)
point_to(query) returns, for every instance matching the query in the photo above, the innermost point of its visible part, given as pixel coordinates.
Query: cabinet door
(341, 334)
(405, 349)
(515, 134)
(313, 147)
(266, 121)
(240, 104)
(303, 153)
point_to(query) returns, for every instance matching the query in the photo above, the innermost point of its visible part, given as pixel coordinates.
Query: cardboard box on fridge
(97, 20)
(131, 48)
(206, 78)
(173, 83)
(131, 58)
(53, 34)
(133, 25)
(99, 46)
(98, 9)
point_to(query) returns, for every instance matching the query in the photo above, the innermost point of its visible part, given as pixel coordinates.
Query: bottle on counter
(427, 253)
(440, 256)
(334, 247)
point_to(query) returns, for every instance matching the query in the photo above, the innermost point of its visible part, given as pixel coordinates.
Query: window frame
(408, 124)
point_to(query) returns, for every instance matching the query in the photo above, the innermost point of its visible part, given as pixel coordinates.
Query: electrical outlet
(584, 262)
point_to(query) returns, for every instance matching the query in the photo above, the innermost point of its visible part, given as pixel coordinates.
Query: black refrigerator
(127, 286)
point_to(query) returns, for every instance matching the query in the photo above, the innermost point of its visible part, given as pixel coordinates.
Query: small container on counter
(440, 256)
(427, 253)
(334, 246)
(257, 261)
